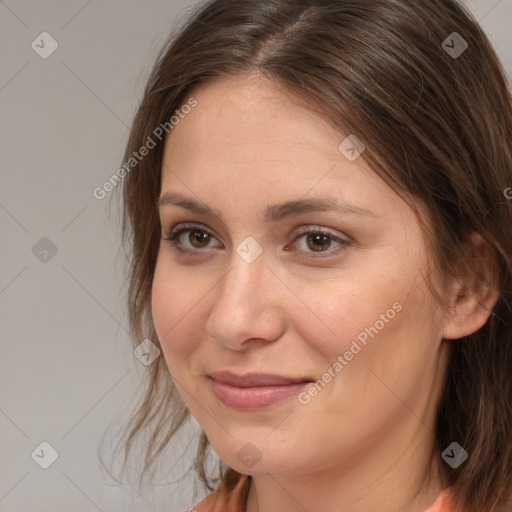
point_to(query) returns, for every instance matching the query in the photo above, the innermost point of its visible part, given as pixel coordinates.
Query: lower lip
(254, 398)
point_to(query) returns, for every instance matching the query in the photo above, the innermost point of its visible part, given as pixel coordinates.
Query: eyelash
(173, 238)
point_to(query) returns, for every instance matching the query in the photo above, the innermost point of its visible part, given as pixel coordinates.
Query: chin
(251, 461)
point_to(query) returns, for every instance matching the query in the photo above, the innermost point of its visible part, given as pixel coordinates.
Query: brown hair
(437, 127)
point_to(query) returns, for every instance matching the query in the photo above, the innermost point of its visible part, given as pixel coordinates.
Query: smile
(255, 391)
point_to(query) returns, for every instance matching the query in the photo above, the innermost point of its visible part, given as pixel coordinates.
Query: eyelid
(173, 234)
(343, 242)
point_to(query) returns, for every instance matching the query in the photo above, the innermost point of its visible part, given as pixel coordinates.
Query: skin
(364, 442)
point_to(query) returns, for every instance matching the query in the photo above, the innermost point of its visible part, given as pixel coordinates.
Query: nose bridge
(241, 286)
(243, 306)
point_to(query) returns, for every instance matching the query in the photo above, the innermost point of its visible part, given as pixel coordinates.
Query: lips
(250, 380)
(254, 390)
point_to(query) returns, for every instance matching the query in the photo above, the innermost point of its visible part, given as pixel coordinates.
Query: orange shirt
(223, 500)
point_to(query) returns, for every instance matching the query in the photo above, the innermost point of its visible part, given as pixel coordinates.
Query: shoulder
(230, 496)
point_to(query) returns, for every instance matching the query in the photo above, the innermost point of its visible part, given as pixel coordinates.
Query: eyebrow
(275, 212)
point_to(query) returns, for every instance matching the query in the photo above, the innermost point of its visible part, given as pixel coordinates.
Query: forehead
(233, 110)
(247, 136)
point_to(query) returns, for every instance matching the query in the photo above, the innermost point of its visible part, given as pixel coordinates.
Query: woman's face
(343, 314)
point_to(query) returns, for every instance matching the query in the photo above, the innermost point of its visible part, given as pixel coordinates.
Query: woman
(321, 248)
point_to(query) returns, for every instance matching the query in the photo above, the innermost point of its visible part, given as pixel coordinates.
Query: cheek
(348, 310)
(172, 304)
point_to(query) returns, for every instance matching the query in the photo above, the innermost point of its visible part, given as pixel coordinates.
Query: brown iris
(318, 238)
(196, 235)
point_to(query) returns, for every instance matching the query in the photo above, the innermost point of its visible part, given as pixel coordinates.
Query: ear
(475, 293)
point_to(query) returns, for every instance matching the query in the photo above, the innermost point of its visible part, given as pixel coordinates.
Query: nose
(247, 307)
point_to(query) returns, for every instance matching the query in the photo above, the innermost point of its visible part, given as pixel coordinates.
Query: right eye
(193, 243)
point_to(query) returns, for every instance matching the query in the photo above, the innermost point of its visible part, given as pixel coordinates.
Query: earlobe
(475, 293)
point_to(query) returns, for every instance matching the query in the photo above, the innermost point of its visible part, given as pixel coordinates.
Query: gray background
(67, 372)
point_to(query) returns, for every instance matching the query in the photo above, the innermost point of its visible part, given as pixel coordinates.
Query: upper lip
(255, 379)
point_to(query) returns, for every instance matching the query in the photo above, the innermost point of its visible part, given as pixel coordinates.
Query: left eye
(316, 240)
(321, 240)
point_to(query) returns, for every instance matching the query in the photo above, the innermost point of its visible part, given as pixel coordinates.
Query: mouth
(254, 390)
